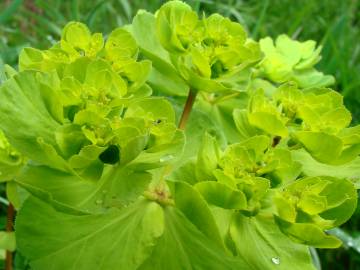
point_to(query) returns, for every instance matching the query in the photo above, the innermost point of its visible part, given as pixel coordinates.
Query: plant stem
(187, 108)
(9, 228)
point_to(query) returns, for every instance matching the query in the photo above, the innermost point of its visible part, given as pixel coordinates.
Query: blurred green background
(335, 24)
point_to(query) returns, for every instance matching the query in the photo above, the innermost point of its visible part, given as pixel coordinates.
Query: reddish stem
(187, 109)
(9, 228)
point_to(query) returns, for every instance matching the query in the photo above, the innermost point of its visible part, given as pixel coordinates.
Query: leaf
(174, 20)
(272, 125)
(118, 239)
(117, 187)
(198, 123)
(76, 34)
(144, 233)
(208, 158)
(312, 167)
(162, 155)
(308, 206)
(291, 60)
(221, 195)
(221, 112)
(153, 108)
(195, 208)
(327, 148)
(308, 234)
(266, 247)
(313, 78)
(242, 124)
(120, 46)
(186, 248)
(31, 126)
(7, 241)
(163, 76)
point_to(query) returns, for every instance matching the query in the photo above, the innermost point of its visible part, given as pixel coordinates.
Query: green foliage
(292, 60)
(251, 183)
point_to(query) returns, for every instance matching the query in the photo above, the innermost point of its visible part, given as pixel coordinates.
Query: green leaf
(291, 60)
(153, 108)
(7, 241)
(220, 110)
(76, 34)
(221, 195)
(313, 78)
(144, 233)
(323, 147)
(198, 124)
(308, 234)
(88, 241)
(11, 161)
(195, 208)
(117, 187)
(266, 247)
(308, 206)
(272, 125)
(174, 22)
(245, 129)
(208, 158)
(312, 167)
(31, 126)
(186, 248)
(120, 46)
(163, 77)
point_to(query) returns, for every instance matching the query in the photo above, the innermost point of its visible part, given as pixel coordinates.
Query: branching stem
(187, 109)
(9, 228)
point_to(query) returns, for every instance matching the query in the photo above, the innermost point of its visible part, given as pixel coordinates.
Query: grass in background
(334, 24)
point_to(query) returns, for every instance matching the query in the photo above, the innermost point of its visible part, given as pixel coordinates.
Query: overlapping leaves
(315, 119)
(291, 60)
(310, 205)
(106, 159)
(208, 53)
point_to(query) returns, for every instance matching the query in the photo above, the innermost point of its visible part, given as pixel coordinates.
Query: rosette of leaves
(308, 206)
(210, 53)
(239, 185)
(291, 60)
(241, 176)
(78, 45)
(86, 118)
(315, 119)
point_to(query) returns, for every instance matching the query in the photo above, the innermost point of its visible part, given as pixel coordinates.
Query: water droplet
(275, 260)
(166, 158)
(99, 201)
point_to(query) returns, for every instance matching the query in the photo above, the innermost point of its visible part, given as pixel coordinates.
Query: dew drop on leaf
(166, 158)
(99, 201)
(275, 260)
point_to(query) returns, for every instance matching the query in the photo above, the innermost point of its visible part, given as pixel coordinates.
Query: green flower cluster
(315, 119)
(291, 60)
(210, 52)
(86, 104)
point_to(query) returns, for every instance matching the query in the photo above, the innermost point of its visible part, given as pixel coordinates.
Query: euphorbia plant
(264, 166)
